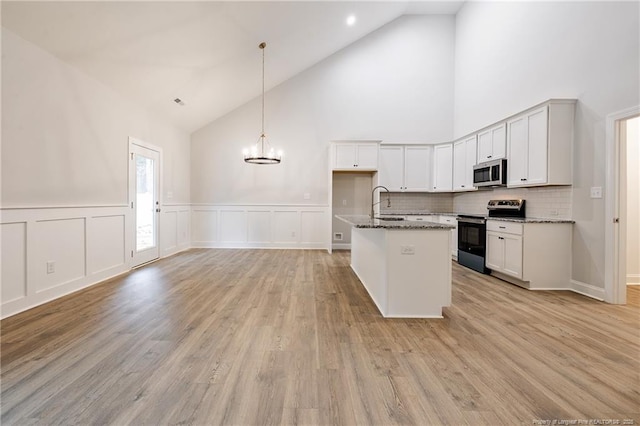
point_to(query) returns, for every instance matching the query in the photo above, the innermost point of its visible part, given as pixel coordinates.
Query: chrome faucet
(373, 203)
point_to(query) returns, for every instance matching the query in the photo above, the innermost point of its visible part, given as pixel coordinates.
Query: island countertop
(364, 221)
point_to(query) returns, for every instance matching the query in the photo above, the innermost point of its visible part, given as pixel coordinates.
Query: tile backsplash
(417, 201)
(546, 202)
(549, 201)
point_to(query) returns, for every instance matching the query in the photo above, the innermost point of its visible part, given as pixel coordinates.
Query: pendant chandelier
(262, 152)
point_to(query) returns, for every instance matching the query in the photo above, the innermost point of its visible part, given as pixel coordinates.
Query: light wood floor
(245, 337)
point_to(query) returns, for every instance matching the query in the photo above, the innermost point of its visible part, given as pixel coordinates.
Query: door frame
(131, 230)
(615, 285)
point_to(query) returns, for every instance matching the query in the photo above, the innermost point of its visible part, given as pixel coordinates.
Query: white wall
(64, 178)
(65, 136)
(633, 201)
(512, 55)
(395, 84)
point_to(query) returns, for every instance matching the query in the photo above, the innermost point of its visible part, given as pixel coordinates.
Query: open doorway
(622, 262)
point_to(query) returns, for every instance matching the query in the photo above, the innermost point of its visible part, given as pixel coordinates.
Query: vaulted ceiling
(205, 53)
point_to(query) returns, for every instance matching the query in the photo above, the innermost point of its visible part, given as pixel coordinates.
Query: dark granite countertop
(531, 220)
(364, 221)
(505, 219)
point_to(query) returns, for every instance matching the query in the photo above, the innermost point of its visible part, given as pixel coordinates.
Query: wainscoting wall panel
(61, 244)
(106, 236)
(14, 261)
(50, 252)
(174, 234)
(260, 226)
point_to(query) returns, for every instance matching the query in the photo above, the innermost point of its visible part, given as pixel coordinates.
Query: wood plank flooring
(244, 337)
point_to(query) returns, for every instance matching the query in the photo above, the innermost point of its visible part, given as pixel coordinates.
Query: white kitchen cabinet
(492, 143)
(404, 167)
(464, 158)
(504, 251)
(453, 221)
(391, 167)
(539, 145)
(533, 255)
(443, 168)
(355, 156)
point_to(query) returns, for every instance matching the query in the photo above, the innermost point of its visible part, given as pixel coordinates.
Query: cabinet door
(391, 169)
(517, 171)
(443, 165)
(367, 156)
(345, 156)
(499, 142)
(459, 166)
(470, 156)
(485, 146)
(512, 255)
(538, 146)
(452, 220)
(416, 168)
(494, 258)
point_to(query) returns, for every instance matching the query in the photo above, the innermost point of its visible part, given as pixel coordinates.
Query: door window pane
(145, 204)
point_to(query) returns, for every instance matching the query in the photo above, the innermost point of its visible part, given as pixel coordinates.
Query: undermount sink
(389, 218)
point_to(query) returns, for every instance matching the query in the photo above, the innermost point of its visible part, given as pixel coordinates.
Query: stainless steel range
(472, 232)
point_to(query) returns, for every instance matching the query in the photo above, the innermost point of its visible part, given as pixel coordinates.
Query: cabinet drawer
(423, 218)
(450, 220)
(506, 227)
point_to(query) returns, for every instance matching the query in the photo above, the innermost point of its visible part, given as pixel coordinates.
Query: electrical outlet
(51, 267)
(553, 212)
(337, 236)
(293, 233)
(306, 196)
(596, 192)
(407, 250)
(344, 202)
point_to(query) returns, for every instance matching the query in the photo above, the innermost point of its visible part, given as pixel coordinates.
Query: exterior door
(144, 200)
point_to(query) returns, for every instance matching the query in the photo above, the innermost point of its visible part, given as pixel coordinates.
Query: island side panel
(368, 261)
(419, 284)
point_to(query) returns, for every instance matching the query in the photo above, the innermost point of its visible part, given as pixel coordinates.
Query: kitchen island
(405, 266)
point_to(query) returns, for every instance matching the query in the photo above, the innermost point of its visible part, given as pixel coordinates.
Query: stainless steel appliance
(490, 173)
(472, 232)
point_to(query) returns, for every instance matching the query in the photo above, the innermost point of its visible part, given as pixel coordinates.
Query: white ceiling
(205, 53)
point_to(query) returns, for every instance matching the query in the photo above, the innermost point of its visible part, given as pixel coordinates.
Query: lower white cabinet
(453, 221)
(504, 250)
(447, 219)
(535, 255)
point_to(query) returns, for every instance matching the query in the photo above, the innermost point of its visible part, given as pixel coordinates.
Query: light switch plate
(596, 192)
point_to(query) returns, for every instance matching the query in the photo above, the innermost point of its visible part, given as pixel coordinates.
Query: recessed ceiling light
(351, 20)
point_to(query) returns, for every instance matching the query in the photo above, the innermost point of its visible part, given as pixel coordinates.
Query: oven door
(472, 236)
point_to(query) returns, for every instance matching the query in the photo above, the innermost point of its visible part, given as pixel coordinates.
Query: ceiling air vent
(178, 101)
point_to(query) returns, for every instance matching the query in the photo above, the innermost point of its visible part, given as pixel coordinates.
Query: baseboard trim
(633, 279)
(341, 246)
(587, 290)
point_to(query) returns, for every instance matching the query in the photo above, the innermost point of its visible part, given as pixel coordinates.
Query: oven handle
(471, 220)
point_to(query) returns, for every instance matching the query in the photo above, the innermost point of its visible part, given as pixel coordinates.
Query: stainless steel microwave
(490, 173)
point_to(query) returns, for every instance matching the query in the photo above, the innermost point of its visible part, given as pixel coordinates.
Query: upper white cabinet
(404, 167)
(464, 158)
(492, 143)
(539, 145)
(443, 167)
(355, 156)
